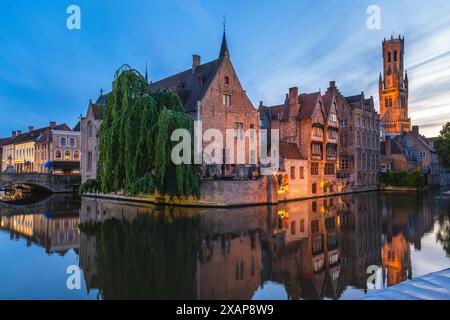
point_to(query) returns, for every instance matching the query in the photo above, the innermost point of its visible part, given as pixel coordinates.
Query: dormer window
(226, 80)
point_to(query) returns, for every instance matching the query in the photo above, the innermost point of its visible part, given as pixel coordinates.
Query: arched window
(62, 142)
(58, 154)
(72, 142)
(67, 155)
(76, 155)
(89, 127)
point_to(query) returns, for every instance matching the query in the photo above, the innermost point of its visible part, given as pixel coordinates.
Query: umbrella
(48, 164)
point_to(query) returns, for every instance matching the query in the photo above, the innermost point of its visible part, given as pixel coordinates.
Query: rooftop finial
(146, 72)
(224, 48)
(224, 23)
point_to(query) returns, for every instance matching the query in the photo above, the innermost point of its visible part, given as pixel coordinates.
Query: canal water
(64, 247)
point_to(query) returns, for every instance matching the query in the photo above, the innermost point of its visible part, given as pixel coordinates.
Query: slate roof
(97, 111)
(290, 151)
(190, 85)
(36, 135)
(327, 100)
(5, 141)
(308, 103)
(354, 99)
(77, 128)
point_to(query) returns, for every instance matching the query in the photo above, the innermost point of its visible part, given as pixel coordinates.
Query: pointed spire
(406, 76)
(146, 72)
(224, 47)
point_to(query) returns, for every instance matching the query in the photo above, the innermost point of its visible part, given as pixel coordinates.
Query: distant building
(90, 128)
(360, 142)
(393, 88)
(54, 149)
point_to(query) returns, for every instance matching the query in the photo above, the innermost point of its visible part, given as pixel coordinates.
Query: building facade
(53, 149)
(90, 128)
(360, 143)
(211, 93)
(393, 88)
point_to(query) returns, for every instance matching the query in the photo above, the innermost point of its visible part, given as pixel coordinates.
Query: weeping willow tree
(135, 144)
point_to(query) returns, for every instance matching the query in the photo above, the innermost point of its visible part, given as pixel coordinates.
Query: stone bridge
(58, 205)
(48, 182)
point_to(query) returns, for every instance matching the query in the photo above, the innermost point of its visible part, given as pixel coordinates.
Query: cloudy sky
(48, 72)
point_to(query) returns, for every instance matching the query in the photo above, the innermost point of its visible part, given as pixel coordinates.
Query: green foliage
(442, 146)
(135, 144)
(403, 178)
(90, 186)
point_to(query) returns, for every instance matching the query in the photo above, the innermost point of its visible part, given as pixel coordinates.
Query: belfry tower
(393, 88)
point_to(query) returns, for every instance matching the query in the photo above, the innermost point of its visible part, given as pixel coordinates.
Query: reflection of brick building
(397, 260)
(54, 234)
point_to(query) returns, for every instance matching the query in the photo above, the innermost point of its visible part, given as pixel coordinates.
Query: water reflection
(51, 222)
(317, 249)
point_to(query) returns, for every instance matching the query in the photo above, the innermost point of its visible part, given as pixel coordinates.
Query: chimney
(332, 84)
(13, 134)
(19, 132)
(415, 130)
(30, 128)
(195, 62)
(293, 102)
(52, 124)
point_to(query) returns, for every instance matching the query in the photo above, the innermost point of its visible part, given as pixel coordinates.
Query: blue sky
(48, 72)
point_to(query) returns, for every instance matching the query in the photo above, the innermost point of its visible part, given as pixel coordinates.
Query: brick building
(212, 93)
(393, 88)
(313, 125)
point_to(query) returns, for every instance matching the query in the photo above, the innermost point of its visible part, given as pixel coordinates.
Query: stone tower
(393, 88)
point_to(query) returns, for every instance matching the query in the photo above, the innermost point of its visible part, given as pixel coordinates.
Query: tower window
(395, 55)
(389, 57)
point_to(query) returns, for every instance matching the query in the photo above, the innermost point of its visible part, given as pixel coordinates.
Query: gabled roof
(5, 141)
(190, 85)
(97, 110)
(290, 151)
(77, 128)
(355, 99)
(36, 135)
(308, 102)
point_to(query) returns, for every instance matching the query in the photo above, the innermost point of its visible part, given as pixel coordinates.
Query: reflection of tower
(397, 260)
(393, 88)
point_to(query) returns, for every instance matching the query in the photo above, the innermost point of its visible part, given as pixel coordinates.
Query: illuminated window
(67, 155)
(76, 155)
